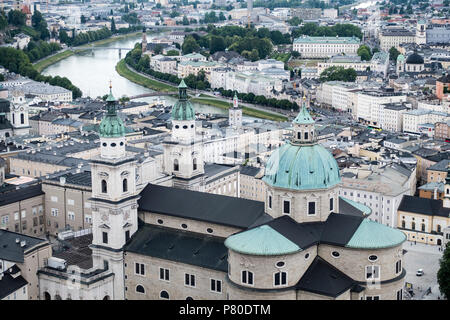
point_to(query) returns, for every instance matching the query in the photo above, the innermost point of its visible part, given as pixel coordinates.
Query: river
(92, 73)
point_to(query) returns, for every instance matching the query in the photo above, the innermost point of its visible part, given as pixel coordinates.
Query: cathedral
(303, 242)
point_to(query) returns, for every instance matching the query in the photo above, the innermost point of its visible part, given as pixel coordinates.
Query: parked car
(419, 273)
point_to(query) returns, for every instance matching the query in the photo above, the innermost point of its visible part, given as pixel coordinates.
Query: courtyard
(426, 257)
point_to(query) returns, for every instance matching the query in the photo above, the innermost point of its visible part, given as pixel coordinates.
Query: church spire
(304, 126)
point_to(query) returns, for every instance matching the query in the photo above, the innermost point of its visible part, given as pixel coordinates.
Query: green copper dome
(302, 167)
(374, 235)
(183, 109)
(111, 126)
(400, 57)
(263, 241)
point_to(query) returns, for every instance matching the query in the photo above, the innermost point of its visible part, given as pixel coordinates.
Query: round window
(113, 144)
(280, 264)
(335, 254)
(185, 127)
(373, 258)
(184, 225)
(104, 144)
(192, 125)
(177, 127)
(160, 221)
(307, 256)
(121, 143)
(209, 230)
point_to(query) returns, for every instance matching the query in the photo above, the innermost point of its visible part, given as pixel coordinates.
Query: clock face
(104, 217)
(21, 109)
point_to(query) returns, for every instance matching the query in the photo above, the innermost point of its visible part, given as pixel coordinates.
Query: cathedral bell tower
(235, 114)
(183, 152)
(114, 197)
(18, 116)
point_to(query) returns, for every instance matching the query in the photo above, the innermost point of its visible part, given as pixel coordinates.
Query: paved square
(426, 257)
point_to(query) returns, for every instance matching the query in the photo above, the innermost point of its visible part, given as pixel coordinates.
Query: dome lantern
(304, 127)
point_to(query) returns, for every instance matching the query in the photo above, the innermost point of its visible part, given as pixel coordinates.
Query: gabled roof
(20, 194)
(202, 206)
(324, 279)
(10, 283)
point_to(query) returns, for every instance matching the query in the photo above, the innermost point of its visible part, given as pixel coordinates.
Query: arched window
(125, 185)
(306, 135)
(164, 295)
(438, 227)
(47, 296)
(176, 167)
(140, 289)
(22, 118)
(423, 226)
(104, 186)
(299, 135)
(413, 225)
(14, 118)
(403, 223)
(194, 164)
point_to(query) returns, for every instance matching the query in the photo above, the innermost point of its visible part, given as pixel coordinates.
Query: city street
(426, 257)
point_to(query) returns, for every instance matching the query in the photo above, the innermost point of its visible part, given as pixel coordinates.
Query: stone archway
(58, 297)
(106, 298)
(439, 242)
(47, 296)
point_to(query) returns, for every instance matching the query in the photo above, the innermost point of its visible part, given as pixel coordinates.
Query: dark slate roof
(302, 234)
(347, 208)
(324, 279)
(9, 283)
(202, 206)
(440, 166)
(424, 206)
(76, 251)
(250, 171)
(20, 194)
(12, 251)
(79, 179)
(339, 228)
(180, 246)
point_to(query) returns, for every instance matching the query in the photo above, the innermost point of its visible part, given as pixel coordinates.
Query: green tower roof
(263, 241)
(183, 109)
(303, 116)
(374, 235)
(111, 126)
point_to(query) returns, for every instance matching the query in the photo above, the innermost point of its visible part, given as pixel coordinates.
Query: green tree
(364, 52)
(16, 18)
(338, 74)
(82, 19)
(171, 53)
(443, 275)
(295, 21)
(3, 20)
(217, 43)
(393, 54)
(190, 45)
(113, 26)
